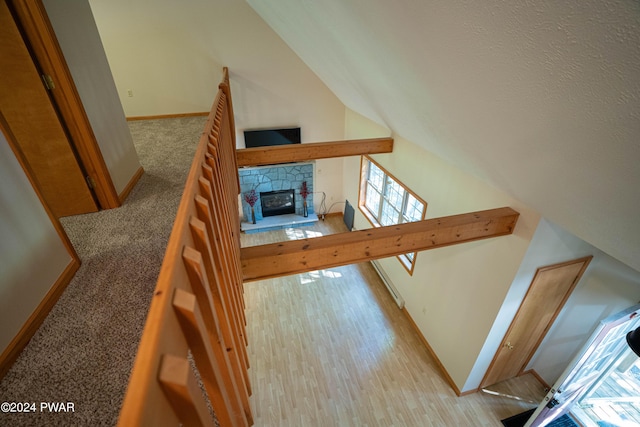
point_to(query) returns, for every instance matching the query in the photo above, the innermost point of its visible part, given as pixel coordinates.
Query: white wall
(32, 255)
(538, 98)
(607, 287)
(455, 292)
(170, 54)
(79, 40)
(464, 297)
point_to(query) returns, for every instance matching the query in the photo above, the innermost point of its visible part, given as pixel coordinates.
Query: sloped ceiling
(540, 99)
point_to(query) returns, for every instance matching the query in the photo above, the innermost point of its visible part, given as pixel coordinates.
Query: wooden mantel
(310, 151)
(299, 256)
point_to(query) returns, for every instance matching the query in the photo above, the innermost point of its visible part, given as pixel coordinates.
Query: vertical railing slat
(180, 385)
(224, 404)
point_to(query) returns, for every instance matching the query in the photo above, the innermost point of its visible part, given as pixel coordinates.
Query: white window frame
(380, 197)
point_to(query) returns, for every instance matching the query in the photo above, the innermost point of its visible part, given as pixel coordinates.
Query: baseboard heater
(348, 217)
(387, 282)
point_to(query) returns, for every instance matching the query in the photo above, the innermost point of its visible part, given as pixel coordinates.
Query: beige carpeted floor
(84, 351)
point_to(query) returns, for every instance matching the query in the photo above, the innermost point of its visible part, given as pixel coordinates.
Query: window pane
(376, 177)
(414, 209)
(389, 214)
(394, 193)
(372, 200)
(407, 259)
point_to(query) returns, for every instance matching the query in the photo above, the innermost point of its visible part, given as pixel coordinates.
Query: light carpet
(84, 351)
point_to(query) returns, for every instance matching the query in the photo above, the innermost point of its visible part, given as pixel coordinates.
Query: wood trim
(167, 116)
(586, 260)
(487, 380)
(11, 353)
(37, 29)
(225, 86)
(311, 151)
(4, 127)
(298, 256)
(432, 353)
(372, 220)
(30, 327)
(132, 183)
(537, 376)
(530, 371)
(410, 191)
(333, 214)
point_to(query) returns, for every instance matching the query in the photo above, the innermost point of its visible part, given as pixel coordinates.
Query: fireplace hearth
(279, 202)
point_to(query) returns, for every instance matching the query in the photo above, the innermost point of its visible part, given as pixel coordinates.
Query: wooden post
(181, 388)
(227, 407)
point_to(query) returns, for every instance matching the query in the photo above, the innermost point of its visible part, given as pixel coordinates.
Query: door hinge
(48, 82)
(91, 183)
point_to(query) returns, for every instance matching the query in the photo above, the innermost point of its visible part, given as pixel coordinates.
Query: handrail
(197, 307)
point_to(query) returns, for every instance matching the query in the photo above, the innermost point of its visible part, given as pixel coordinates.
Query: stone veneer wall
(274, 178)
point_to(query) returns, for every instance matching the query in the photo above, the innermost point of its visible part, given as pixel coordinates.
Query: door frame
(503, 343)
(571, 386)
(32, 19)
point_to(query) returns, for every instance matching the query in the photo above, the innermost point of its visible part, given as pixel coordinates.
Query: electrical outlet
(130, 92)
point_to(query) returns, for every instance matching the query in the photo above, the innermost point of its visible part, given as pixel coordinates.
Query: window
(386, 201)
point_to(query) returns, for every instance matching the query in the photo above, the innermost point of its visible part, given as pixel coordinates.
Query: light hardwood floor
(331, 348)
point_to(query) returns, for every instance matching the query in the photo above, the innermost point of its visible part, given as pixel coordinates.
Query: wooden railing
(198, 307)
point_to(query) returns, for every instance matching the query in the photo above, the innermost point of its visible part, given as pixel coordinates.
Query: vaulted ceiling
(540, 99)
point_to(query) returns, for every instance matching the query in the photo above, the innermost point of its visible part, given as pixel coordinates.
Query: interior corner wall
(607, 287)
(170, 55)
(77, 34)
(455, 292)
(32, 255)
(162, 54)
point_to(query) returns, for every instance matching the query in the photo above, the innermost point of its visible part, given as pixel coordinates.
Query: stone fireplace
(280, 181)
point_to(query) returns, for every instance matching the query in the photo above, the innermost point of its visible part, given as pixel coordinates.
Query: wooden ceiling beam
(310, 151)
(299, 256)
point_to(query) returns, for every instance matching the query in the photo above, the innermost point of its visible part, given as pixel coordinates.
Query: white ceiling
(540, 99)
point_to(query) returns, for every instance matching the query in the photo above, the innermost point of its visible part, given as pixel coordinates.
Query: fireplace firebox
(278, 202)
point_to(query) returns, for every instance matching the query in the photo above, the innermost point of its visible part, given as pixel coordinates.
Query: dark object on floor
(520, 420)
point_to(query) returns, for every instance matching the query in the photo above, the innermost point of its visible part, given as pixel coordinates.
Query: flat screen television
(267, 137)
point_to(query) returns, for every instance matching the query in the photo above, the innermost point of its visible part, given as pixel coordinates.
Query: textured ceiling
(540, 99)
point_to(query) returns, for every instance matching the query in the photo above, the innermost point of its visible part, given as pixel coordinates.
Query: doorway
(550, 288)
(615, 396)
(32, 119)
(601, 385)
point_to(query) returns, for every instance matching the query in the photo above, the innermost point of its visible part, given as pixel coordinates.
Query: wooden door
(36, 127)
(549, 290)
